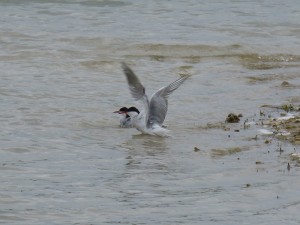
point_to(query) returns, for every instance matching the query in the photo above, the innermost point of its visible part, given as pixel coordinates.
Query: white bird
(150, 120)
(125, 121)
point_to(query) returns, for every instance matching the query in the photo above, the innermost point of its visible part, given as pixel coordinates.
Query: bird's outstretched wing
(136, 88)
(158, 106)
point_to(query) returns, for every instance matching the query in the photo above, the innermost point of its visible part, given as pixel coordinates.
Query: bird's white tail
(159, 131)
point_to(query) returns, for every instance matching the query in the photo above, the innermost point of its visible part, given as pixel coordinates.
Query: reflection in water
(141, 147)
(142, 144)
(145, 167)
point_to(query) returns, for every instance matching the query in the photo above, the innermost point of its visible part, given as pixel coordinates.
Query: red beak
(120, 112)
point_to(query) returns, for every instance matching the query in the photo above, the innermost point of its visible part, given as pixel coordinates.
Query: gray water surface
(63, 157)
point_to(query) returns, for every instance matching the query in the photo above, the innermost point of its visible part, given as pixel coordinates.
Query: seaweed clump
(233, 118)
(292, 128)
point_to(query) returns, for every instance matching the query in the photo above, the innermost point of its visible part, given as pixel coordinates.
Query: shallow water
(63, 158)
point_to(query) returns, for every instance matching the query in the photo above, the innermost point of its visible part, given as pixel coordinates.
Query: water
(64, 160)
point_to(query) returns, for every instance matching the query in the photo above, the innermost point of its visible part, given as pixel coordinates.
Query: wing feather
(136, 88)
(158, 106)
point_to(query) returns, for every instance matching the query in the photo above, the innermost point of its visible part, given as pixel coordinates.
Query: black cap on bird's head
(123, 110)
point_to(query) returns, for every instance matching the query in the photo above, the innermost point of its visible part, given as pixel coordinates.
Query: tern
(150, 119)
(125, 121)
